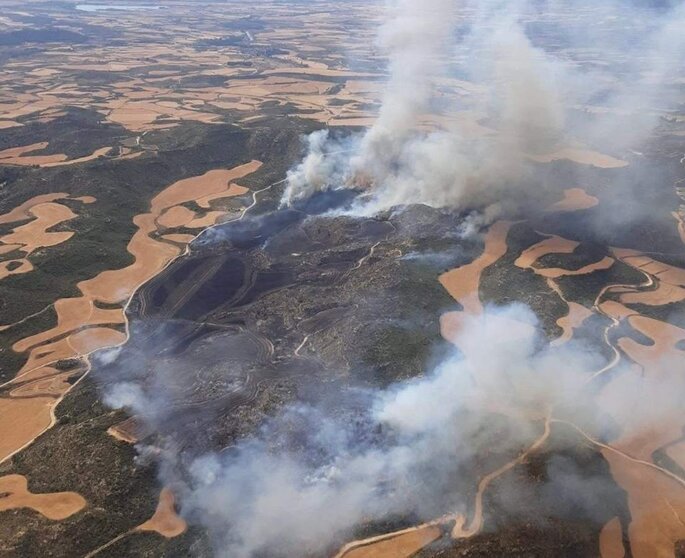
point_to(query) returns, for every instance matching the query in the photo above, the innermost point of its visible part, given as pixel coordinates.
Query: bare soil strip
(582, 157)
(22, 211)
(557, 245)
(677, 453)
(664, 272)
(130, 430)
(611, 540)
(463, 283)
(58, 505)
(165, 521)
(21, 420)
(575, 199)
(555, 272)
(7, 248)
(86, 199)
(198, 187)
(402, 545)
(656, 499)
(233, 190)
(670, 279)
(551, 245)
(42, 213)
(16, 156)
(24, 266)
(34, 235)
(83, 328)
(14, 152)
(665, 293)
(176, 216)
(207, 220)
(657, 508)
(656, 496)
(94, 155)
(577, 314)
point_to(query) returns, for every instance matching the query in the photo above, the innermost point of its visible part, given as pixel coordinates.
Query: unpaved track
(605, 310)
(369, 545)
(128, 438)
(656, 498)
(461, 532)
(165, 522)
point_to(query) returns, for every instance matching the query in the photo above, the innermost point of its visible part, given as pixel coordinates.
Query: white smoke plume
(524, 98)
(308, 478)
(266, 497)
(406, 454)
(415, 36)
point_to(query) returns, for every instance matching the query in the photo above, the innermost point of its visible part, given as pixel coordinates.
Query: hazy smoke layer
(524, 97)
(308, 477)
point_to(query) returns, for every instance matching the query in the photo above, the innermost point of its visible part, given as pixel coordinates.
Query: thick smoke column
(405, 165)
(416, 38)
(524, 98)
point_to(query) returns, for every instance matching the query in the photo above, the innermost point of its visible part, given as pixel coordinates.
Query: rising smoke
(532, 101)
